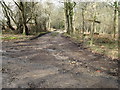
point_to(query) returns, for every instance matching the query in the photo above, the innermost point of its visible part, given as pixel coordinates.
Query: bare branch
(18, 5)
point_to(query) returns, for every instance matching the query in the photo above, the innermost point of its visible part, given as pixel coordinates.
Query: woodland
(60, 43)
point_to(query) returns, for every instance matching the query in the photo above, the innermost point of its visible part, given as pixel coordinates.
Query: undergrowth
(101, 44)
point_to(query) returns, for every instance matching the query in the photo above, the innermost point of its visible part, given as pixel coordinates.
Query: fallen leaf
(98, 71)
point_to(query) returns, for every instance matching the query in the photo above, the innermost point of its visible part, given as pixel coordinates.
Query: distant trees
(58, 18)
(48, 11)
(86, 18)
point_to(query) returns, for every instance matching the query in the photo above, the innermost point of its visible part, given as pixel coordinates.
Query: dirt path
(54, 61)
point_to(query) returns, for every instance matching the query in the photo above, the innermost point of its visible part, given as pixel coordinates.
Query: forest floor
(55, 61)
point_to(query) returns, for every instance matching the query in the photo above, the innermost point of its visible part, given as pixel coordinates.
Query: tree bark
(25, 28)
(115, 19)
(119, 31)
(49, 22)
(67, 16)
(69, 6)
(83, 24)
(92, 34)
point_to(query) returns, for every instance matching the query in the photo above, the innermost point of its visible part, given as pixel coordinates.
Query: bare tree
(69, 13)
(26, 12)
(7, 14)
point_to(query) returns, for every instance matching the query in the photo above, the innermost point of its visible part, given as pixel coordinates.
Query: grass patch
(105, 46)
(13, 37)
(9, 38)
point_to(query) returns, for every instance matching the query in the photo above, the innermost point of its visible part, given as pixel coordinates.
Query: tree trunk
(93, 29)
(83, 24)
(49, 22)
(36, 24)
(20, 24)
(25, 28)
(45, 25)
(115, 12)
(67, 23)
(68, 6)
(71, 22)
(119, 39)
(115, 19)
(92, 33)
(119, 31)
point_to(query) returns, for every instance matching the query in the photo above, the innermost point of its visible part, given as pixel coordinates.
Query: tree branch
(18, 5)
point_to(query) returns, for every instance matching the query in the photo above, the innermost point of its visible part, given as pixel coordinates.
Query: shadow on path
(39, 35)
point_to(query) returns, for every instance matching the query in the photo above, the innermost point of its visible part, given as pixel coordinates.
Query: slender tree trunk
(45, 25)
(65, 21)
(67, 24)
(72, 21)
(115, 19)
(25, 28)
(36, 24)
(92, 33)
(71, 25)
(119, 38)
(115, 12)
(49, 22)
(93, 29)
(119, 31)
(20, 24)
(83, 24)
